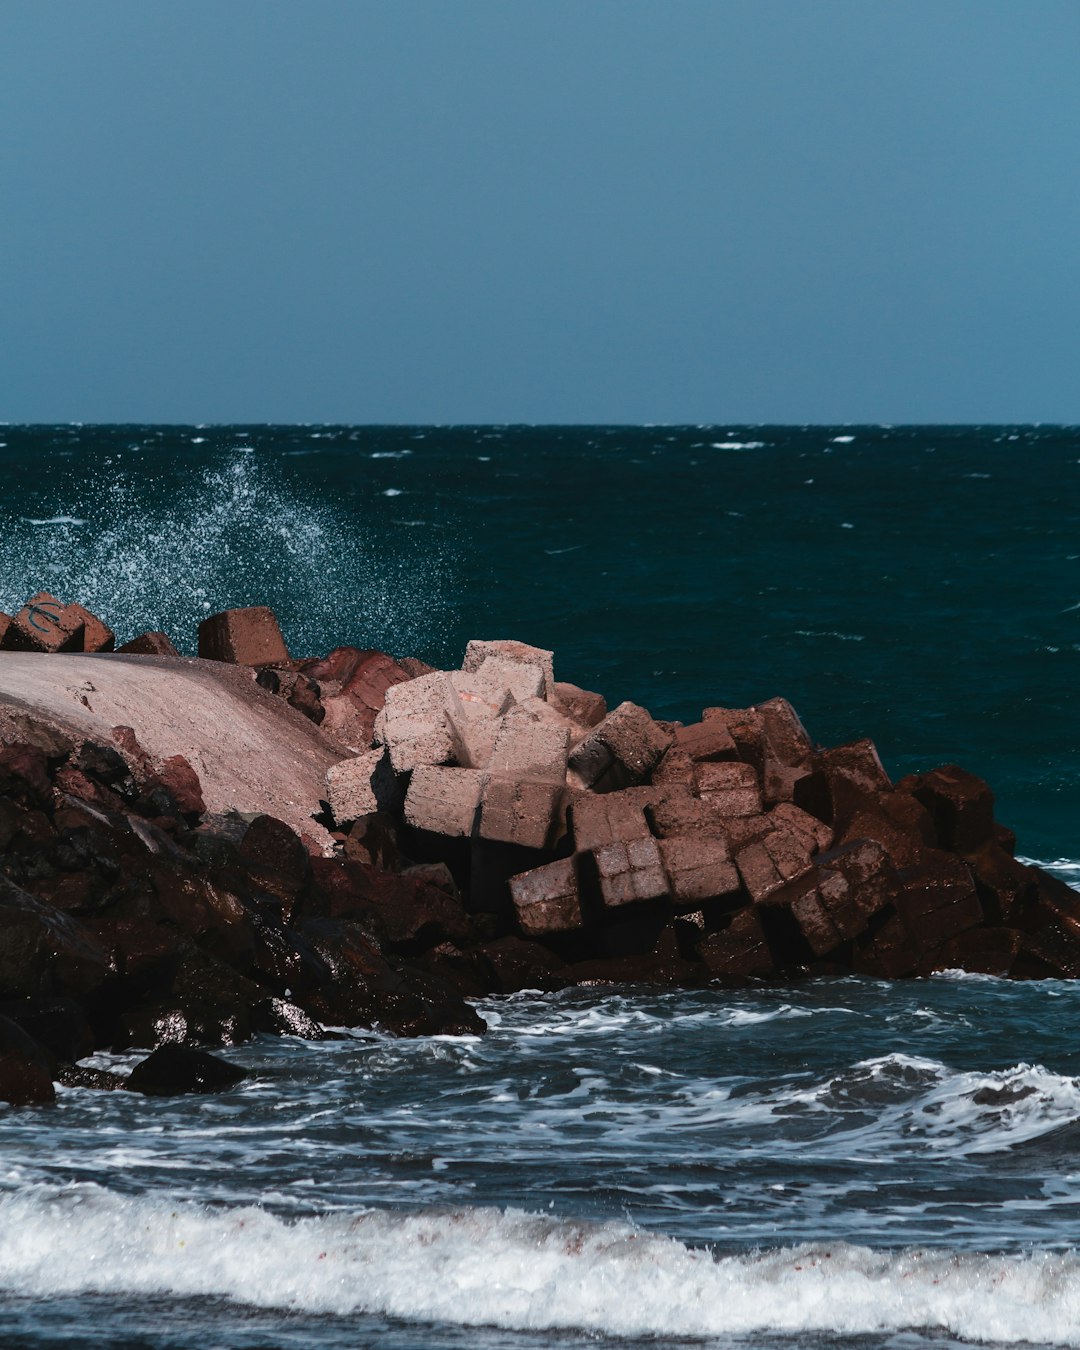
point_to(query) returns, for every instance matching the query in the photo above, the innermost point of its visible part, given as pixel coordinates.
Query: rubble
(431, 836)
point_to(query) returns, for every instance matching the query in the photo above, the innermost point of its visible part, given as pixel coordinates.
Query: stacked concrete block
(602, 818)
(699, 870)
(620, 751)
(413, 724)
(855, 778)
(706, 741)
(630, 872)
(444, 801)
(580, 705)
(938, 901)
(521, 811)
(514, 653)
(528, 748)
(474, 707)
(739, 951)
(731, 787)
(547, 899)
(775, 859)
(960, 804)
(97, 636)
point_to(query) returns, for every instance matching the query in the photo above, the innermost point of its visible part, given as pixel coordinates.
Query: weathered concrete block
(413, 724)
(530, 749)
(97, 636)
(961, 805)
(938, 901)
(630, 871)
(519, 653)
(787, 741)
(580, 705)
(816, 835)
(676, 769)
(886, 951)
(597, 819)
(44, 624)
(246, 637)
(149, 644)
(984, 951)
(873, 881)
(706, 741)
(552, 714)
(5, 624)
(350, 788)
(523, 681)
(621, 751)
(547, 899)
(699, 870)
(474, 705)
(738, 951)
(350, 724)
(769, 863)
(732, 787)
(674, 812)
(855, 777)
(520, 811)
(444, 800)
(747, 730)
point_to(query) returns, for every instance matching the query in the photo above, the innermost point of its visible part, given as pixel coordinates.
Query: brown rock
(886, 950)
(181, 780)
(621, 750)
(44, 624)
(547, 899)
(247, 637)
(97, 636)
(518, 964)
(414, 667)
(25, 1071)
(983, 951)
(149, 644)
(373, 839)
(5, 624)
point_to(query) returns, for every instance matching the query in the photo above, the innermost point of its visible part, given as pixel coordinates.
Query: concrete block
(246, 637)
(747, 730)
(44, 624)
(444, 800)
(413, 724)
(675, 812)
(676, 769)
(553, 715)
(597, 819)
(350, 789)
(699, 870)
(787, 741)
(520, 653)
(630, 871)
(814, 833)
(856, 778)
(580, 705)
(732, 787)
(474, 705)
(523, 681)
(621, 751)
(528, 748)
(547, 899)
(706, 741)
(149, 644)
(97, 636)
(961, 805)
(520, 811)
(5, 624)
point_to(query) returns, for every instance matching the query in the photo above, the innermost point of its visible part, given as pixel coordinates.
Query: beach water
(834, 1162)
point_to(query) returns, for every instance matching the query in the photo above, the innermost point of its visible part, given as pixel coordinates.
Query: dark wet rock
(82, 1076)
(25, 1068)
(174, 1069)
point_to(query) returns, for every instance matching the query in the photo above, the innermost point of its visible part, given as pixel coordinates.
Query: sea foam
(515, 1270)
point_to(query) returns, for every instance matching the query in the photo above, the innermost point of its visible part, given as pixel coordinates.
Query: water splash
(242, 533)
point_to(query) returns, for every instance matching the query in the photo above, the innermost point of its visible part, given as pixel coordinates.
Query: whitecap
(842, 440)
(56, 520)
(391, 492)
(737, 445)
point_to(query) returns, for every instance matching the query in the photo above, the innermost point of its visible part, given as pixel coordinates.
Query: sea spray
(240, 531)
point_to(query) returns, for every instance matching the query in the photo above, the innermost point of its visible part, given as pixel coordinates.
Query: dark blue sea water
(844, 1161)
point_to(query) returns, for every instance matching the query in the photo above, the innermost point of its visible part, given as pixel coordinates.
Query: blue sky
(540, 210)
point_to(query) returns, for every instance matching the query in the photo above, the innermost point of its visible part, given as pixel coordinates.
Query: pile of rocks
(481, 830)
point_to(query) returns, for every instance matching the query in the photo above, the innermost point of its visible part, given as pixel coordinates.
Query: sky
(583, 211)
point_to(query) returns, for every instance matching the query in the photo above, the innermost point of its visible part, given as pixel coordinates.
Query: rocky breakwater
(262, 843)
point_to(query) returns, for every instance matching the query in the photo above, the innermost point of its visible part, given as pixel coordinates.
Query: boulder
(547, 899)
(25, 1072)
(149, 644)
(173, 1070)
(97, 636)
(620, 751)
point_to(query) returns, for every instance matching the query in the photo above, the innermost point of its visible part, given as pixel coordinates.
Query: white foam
(521, 1271)
(737, 445)
(56, 520)
(842, 440)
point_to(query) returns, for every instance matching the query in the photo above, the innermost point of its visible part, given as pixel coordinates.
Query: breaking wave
(241, 534)
(519, 1271)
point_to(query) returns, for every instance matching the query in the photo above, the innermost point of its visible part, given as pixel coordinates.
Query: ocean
(834, 1162)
